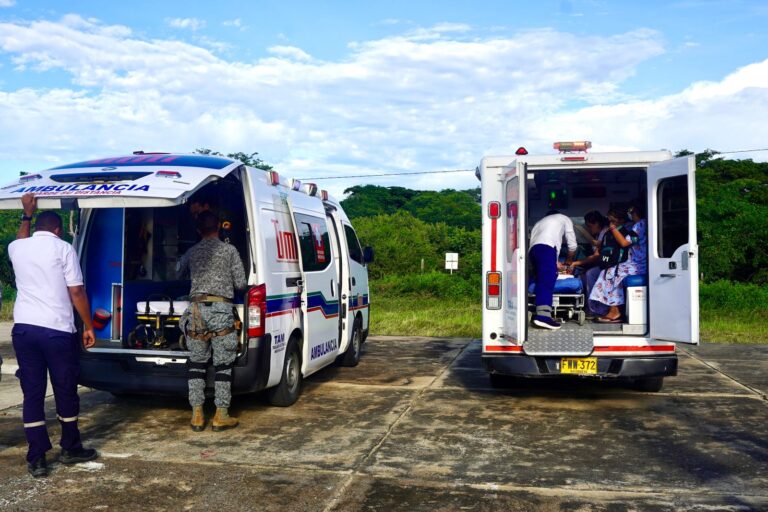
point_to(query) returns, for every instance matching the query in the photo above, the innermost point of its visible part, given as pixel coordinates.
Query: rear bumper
(607, 367)
(121, 373)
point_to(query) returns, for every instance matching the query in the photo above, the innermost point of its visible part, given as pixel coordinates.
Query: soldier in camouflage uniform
(208, 324)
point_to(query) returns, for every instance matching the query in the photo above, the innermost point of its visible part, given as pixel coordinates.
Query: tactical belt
(210, 298)
(207, 335)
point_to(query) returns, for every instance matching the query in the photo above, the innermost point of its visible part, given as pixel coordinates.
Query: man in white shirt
(49, 283)
(546, 240)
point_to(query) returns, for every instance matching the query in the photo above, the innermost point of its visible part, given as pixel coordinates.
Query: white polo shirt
(45, 266)
(550, 231)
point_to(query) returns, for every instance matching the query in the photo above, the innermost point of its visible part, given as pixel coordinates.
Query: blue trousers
(544, 259)
(40, 351)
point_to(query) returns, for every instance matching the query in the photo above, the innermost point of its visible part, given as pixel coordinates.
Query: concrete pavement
(416, 426)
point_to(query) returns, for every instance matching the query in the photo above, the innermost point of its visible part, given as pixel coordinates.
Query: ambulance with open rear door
(662, 306)
(306, 303)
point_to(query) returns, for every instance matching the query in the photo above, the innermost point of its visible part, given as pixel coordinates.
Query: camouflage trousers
(216, 316)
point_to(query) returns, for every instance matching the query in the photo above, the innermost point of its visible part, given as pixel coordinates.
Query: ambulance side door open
(512, 255)
(319, 291)
(673, 264)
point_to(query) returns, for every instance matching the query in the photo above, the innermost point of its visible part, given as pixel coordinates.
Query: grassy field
(416, 316)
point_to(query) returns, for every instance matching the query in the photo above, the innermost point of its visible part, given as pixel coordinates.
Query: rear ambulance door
(673, 264)
(319, 276)
(341, 261)
(103, 189)
(358, 281)
(513, 256)
(120, 185)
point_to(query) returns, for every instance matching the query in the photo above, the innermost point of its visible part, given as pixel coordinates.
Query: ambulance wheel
(352, 356)
(582, 318)
(648, 384)
(287, 391)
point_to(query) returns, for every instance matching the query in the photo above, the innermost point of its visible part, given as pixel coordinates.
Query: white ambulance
(306, 304)
(662, 307)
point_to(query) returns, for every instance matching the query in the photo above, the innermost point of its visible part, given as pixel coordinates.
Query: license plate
(579, 365)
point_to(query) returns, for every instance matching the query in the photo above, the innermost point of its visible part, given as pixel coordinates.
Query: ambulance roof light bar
(572, 146)
(274, 178)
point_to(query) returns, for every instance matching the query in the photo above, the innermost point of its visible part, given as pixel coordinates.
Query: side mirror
(368, 255)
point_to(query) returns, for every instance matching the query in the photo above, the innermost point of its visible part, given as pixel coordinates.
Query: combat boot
(198, 420)
(222, 420)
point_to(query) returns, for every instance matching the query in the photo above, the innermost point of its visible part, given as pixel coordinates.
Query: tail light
(257, 309)
(493, 290)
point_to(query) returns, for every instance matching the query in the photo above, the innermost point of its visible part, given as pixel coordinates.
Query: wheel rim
(356, 343)
(292, 372)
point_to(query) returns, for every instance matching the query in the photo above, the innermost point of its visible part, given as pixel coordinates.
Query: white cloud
(434, 99)
(237, 23)
(7, 3)
(289, 52)
(187, 23)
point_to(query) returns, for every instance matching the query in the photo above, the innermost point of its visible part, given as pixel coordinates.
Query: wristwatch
(26, 217)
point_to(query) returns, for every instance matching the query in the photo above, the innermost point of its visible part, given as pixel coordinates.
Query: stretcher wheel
(530, 317)
(582, 317)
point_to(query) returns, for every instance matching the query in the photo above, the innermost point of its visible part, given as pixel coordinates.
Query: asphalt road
(416, 426)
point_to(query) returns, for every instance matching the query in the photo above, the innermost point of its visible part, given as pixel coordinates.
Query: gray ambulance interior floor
(416, 426)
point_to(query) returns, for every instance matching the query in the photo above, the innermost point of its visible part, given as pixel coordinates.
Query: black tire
(648, 384)
(352, 355)
(288, 390)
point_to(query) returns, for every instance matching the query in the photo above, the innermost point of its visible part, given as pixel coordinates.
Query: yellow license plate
(579, 365)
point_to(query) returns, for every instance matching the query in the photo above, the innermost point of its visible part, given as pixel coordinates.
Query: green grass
(733, 327)
(426, 316)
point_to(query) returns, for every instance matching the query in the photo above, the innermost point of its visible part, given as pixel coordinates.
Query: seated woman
(588, 268)
(608, 290)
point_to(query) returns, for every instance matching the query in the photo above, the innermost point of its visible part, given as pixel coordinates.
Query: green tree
(249, 159)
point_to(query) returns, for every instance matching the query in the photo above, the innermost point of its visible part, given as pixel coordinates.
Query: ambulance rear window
(93, 177)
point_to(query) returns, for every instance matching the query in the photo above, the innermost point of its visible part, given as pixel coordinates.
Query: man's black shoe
(39, 468)
(77, 456)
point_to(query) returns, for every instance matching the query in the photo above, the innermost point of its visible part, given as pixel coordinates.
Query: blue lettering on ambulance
(144, 188)
(323, 349)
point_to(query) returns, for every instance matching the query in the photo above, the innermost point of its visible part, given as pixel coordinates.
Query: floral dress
(608, 289)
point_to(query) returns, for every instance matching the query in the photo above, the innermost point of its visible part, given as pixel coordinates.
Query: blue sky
(324, 88)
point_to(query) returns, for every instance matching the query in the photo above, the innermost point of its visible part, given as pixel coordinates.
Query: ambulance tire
(648, 384)
(352, 356)
(288, 390)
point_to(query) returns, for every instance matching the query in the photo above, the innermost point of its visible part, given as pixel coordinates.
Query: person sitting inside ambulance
(546, 240)
(608, 290)
(587, 268)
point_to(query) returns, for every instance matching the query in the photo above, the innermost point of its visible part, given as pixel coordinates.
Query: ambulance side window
(314, 242)
(512, 196)
(673, 215)
(353, 244)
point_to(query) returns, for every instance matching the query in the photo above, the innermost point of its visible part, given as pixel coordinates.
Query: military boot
(198, 420)
(222, 420)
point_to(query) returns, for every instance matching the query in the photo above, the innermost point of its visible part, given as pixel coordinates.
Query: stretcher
(158, 323)
(567, 301)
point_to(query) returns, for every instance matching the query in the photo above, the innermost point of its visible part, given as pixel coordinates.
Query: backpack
(611, 253)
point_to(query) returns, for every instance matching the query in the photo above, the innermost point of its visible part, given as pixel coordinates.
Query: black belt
(210, 298)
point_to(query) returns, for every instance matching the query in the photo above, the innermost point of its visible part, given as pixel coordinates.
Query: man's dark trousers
(544, 259)
(40, 350)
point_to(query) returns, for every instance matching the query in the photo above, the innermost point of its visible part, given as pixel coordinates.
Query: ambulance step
(570, 340)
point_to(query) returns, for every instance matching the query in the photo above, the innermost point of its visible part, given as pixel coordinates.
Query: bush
(725, 296)
(429, 284)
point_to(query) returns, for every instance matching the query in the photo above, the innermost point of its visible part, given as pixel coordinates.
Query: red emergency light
(274, 178)
(168, 174)
(494, 209)
(571, 146)
(521, 151)
(324, 195)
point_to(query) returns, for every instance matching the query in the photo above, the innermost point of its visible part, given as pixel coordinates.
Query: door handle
(354, 282)
(333, 293)
(668, 275)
